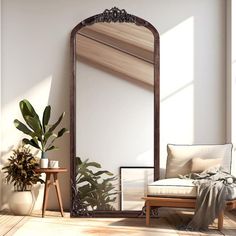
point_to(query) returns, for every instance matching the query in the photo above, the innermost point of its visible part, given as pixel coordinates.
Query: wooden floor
(53, 224)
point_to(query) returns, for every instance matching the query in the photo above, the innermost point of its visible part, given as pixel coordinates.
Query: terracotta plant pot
(21, 203)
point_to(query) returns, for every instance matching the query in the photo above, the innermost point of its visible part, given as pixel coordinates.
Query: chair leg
(220, 220)
(147, 214)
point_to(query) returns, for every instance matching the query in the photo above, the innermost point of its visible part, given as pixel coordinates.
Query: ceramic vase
(43, 160)
(44, 163)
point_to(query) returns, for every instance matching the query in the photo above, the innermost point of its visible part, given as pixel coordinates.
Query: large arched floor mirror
(114, 114)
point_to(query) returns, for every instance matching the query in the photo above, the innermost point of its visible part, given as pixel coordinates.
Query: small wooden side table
(51, 172)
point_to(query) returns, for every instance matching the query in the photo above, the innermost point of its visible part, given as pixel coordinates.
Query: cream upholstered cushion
(175, 187)
(180, 157)
(198, 164)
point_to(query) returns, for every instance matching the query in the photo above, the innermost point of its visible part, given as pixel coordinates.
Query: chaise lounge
(181, 193)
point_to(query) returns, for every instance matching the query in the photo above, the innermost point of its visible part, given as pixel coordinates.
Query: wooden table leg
(147, 213)
(56, 181)
(220, 220)
(46, 190)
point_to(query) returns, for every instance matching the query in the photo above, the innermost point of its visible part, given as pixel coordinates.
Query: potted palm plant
(20, 171)
(42, 134)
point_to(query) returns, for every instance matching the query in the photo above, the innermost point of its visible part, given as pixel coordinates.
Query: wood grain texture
(129, 38)
(46, 192)
(181, 203)
(115, 60)
(51, 172)
(8, 222)
(166, 225)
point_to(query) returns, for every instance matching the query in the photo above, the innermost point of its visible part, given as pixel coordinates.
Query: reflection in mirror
(122, 48)
(114, 87)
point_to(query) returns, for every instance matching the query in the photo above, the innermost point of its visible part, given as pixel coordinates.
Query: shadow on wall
(192, 68)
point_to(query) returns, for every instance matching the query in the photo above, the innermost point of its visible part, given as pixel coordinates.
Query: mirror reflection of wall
(115, 99)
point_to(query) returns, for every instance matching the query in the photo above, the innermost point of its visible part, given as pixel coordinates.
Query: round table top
(50, 170)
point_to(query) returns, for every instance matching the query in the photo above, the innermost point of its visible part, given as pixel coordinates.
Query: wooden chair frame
(181, 203)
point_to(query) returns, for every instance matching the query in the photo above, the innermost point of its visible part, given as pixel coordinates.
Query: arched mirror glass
(114, 113)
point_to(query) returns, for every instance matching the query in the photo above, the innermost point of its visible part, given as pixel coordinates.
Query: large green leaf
(35, 142)
(103, 172)
(23, 128)
(62, 131)
(56, 136)
(47, 135)
(46, 117)
(109, 179)
(88, 179)
(92, 164)
(34, 125)
(31, 142)
(57, 123)
(28, 110)
(78, 161)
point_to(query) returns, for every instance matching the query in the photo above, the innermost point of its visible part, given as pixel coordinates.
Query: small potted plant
(42, 134)
(20, 171)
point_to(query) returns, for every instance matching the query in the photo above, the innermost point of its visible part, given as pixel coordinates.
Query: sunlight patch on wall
(177, 86)
(38, 96)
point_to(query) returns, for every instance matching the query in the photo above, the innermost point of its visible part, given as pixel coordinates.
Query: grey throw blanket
(214, 187)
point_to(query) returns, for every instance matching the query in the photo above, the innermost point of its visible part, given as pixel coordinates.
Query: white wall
(231, 77)
(0, 102)
(35, 65)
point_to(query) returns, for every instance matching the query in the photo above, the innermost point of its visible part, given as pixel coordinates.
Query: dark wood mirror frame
(120, 16)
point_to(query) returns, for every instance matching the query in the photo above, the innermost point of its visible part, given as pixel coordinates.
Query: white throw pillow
(198, 165)
(179, 157)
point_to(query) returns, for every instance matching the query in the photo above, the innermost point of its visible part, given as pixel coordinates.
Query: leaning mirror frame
(121, 16)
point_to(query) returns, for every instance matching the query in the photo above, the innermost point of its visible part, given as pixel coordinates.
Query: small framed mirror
(114, 114)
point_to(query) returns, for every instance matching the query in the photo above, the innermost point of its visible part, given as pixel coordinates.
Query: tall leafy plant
(42, 134)
(95, 189)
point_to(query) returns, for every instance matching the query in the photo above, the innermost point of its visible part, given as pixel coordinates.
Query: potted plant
(42, 134)
(20, 171)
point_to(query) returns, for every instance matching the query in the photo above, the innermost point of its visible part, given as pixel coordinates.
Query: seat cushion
(179, 159)
(175, 187)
